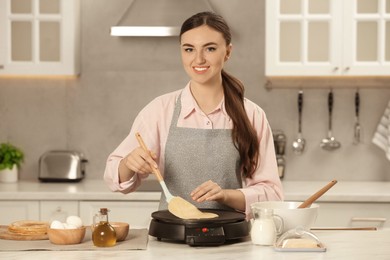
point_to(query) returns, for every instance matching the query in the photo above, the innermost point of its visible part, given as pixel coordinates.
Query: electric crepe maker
(228, 227)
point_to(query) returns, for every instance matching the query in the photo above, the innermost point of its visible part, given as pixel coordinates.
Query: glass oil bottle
(103, 234)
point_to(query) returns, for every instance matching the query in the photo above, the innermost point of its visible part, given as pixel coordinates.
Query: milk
(263, 232)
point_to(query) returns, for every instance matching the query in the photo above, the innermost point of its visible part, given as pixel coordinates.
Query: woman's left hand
(207, 191)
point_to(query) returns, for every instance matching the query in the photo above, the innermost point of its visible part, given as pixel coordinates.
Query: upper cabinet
(327, 38)
(39, 37)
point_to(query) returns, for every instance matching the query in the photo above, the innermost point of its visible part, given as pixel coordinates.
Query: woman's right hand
(140, 162)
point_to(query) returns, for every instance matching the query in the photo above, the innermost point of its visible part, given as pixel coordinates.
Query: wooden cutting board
(5, 234)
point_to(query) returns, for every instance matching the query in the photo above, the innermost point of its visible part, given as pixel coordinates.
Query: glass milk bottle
(103, 234)
(264, 231)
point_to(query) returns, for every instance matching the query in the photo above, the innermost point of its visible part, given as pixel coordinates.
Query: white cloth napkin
(382, 134)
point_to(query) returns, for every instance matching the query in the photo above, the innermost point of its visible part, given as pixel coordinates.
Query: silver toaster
(62, 166)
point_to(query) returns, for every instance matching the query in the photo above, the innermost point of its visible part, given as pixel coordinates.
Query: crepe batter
(185, 210)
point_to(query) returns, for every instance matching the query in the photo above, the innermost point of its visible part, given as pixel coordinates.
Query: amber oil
(103, 234)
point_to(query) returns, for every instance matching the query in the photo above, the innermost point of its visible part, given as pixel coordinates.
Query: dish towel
(382, 134)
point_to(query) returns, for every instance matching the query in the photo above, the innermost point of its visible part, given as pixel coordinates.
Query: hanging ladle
(299, 144)
(330, 143)
(357, 128)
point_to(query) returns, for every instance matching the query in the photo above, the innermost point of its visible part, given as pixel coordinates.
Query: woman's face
(204, 53)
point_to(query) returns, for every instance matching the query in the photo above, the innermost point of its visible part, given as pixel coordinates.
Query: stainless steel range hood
(157, 17)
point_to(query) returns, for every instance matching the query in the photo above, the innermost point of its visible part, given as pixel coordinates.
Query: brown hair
(243, 134)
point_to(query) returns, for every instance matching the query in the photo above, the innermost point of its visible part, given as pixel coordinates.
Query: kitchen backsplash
(119, 76)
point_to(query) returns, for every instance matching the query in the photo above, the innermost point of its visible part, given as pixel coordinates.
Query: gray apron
(193, 156)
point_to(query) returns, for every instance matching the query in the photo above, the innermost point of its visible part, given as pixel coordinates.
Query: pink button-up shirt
(153, 123)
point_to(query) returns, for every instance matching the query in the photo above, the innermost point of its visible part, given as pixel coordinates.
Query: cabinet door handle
(1, 67)
(347, 69)
(335, 68)
(368, 219)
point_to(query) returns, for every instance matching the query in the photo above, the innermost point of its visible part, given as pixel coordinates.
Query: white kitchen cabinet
(36, 210)
(39, 37)
(327, 37)
(136, 213)
(58, 210)
(12, 211)
(341, 214)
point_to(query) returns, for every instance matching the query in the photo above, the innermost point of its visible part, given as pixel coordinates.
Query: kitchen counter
(84, 190)
(340, 245)
(343, 191)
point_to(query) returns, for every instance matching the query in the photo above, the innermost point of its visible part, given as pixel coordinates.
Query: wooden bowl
(121, 230)
(66, 236)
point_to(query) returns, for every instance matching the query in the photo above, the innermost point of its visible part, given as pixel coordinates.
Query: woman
(213, 146)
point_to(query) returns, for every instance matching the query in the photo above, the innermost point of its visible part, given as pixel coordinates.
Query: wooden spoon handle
(156, 171)
(316, 195)
(344, 228)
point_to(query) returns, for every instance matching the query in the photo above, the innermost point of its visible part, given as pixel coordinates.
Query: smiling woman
(203, 57)
(213, 146)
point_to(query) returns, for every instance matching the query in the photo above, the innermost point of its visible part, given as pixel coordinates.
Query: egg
(74, 221)
(70, 226)
(55, 224)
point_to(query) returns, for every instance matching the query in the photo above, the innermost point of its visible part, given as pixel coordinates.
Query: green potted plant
(11, 158)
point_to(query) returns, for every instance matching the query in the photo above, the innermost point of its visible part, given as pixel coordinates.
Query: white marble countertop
(339, 244)
(84, 190)
(343, 191)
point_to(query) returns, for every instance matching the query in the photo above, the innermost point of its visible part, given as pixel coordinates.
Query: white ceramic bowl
(290, 213)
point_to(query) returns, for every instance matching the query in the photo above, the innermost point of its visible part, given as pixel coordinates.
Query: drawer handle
(369, 219)
(1, 67)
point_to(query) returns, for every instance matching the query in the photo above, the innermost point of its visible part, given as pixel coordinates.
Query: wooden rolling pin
(316, 195)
